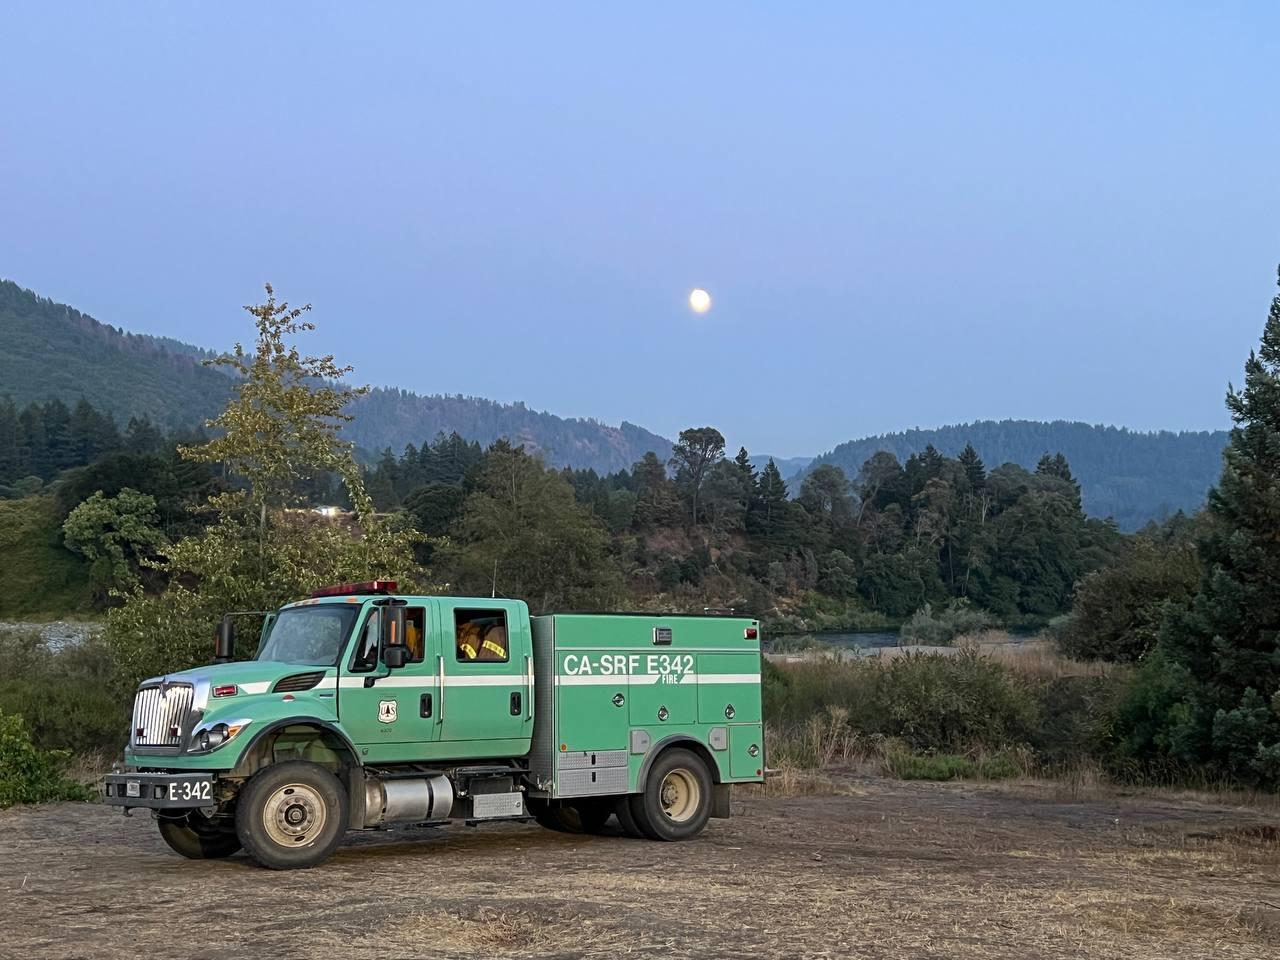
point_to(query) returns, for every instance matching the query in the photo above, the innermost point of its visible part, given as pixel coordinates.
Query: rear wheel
(676, 801)
(627, 820)
(588, 815)
(291, 815)
(196, 837)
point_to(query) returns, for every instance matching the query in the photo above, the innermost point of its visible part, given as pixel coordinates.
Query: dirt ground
(881, 869)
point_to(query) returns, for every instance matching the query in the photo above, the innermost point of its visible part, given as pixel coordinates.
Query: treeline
(42, 440)
(703, 528)
(1130, 476)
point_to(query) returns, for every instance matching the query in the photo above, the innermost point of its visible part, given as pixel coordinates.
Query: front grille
(160, 711)
(297, 681)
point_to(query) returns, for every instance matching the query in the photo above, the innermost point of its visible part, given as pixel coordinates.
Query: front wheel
(292, 815)
(676, 802)
(197, 837)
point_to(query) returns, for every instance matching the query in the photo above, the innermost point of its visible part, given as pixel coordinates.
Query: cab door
(487, 668)
(380, 707)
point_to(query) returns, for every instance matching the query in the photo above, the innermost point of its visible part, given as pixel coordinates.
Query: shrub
(29, 774)
(1116, 611)
(64, 697)
(940, 629)
(963, 703)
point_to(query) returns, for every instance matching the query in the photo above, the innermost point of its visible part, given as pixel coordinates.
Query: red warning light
(348, 589)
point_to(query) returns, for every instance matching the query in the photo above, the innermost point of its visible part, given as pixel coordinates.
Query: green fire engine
(365, 708)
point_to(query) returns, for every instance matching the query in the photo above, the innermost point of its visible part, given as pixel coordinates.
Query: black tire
(627, 820)
(197, 837)
(593, 813)
(292, 815)
(676, 802)
(582, 816)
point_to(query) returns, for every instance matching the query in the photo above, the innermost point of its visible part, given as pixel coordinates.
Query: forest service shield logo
(386, 711)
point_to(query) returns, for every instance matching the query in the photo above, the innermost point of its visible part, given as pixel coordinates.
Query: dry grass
(879, 870)
(1038, 659)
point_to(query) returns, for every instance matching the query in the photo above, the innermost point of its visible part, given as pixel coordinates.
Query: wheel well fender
(685, 742)
(344, 761)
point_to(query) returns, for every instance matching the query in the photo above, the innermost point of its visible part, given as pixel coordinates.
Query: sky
(906, 214)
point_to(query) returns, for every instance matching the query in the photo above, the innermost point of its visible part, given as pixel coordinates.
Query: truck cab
(363, 708)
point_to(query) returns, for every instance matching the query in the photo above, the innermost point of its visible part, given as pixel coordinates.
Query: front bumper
(160, 791)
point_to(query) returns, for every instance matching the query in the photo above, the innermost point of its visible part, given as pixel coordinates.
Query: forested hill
(394, 418)
(1131, 476)
(55, 352)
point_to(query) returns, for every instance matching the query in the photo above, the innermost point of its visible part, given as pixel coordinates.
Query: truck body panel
(623, 685)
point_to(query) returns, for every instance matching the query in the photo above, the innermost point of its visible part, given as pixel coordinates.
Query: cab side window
(481, 636)
(366, 655)
(415, 633)
(415, 638)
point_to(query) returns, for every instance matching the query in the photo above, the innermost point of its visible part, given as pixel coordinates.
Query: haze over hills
(54, 351)
(1130, 476)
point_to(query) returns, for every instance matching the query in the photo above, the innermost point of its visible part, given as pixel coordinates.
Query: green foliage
(116, 534)
(1210, 699)
(941, 628)
(523, 531)
(31, 775)
(906, 765)
(1116, 611)
(278, 431)
(63, 696)
(693, 457)
(959, 704)
(41, 577)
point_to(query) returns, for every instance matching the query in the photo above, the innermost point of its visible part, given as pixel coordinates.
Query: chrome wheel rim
(294, 815)
(680, 795)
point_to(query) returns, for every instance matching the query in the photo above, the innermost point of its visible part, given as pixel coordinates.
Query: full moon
(699, 300)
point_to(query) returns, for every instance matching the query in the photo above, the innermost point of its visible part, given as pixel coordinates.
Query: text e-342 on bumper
(159, 790)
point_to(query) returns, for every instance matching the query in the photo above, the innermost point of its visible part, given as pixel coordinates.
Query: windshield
(313, 636)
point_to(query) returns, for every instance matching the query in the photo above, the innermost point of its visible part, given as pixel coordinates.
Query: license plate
(191, 790)
(132, 788)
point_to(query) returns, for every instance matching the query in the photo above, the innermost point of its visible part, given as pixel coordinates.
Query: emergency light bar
(347, 589)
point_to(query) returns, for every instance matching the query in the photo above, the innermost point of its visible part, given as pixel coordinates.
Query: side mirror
(224, 641)
(394, 653)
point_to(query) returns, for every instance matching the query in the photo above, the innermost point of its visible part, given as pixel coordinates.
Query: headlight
(209, 738)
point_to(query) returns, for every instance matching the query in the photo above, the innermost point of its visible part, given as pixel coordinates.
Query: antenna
(494, 592)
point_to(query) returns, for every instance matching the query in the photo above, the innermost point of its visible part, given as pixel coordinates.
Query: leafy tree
(1116, 611)
(280, 427)
(694, 454)
(522, 534)
(116, 534)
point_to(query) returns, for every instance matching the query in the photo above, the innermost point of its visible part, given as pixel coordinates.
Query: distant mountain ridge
(54, 351)
(1128, 475)
(392, 418)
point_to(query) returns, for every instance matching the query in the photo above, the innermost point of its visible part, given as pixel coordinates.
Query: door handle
(528, 687)
(440, 680)
(515, 703)
(424, 705)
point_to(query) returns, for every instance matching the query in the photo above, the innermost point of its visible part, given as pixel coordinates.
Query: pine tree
(974, 469)
(1220, 656)
(743, 462)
